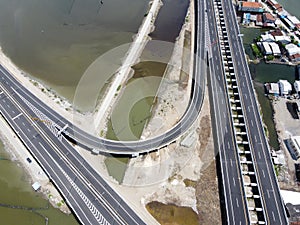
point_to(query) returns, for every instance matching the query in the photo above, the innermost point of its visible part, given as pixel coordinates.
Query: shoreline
(19, 154)
(15, 148)
(112, 94)
(173, 98)
(49, 96)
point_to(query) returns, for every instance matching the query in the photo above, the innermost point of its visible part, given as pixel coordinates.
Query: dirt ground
(286, 126)
(194, 183)
(208, 202)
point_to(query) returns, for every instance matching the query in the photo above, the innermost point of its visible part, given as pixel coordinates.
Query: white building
(274, 88)
(289, 23)
(297, 86)
(266, 48)
(292, 49)
(36, 186)
(293, 19)
(267, 37)
(275, 49)
(283, 39)
(285, 87)
(294, 146)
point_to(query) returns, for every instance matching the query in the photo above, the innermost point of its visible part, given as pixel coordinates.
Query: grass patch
(190, 183)
(256, 51)
(277, 169)
(270, 57)
(119, 87)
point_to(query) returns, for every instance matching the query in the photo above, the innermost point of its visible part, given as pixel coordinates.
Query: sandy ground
(286, 126)
(113, 94)
(174, 90)
(285, 123)
(160, 176)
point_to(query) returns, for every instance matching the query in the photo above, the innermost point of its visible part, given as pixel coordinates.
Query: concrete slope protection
(140, 146)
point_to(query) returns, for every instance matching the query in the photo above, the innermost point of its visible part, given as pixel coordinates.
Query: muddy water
(170, 20)
(167, 27)
(55, 41)
(19, 204)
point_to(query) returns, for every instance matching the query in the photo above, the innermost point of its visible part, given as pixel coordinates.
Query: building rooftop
(295, 57)
(285, 86)
(267, 48)
(267, 37)
(297, 85)
(269, 16)
(276, 32)
(273, 88)
(293, 19)
(252, 5)
(275, 48)
(285, 39)
(290, 197)
(292, 49)
(36, 186)
(259, 17)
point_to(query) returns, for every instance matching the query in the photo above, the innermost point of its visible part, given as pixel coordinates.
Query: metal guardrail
(245, 158)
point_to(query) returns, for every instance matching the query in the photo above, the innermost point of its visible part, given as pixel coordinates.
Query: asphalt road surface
(140, 146)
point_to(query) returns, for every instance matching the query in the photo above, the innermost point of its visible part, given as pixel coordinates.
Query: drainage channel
(251, 186)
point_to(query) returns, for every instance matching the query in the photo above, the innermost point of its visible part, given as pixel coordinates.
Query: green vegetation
(59, 204)
(119, 87)
(190, 183)
(256, 51)
(258, 38)
(277, 169)
(295, 42)
(172, 214)
(270, 57)
(102, 133)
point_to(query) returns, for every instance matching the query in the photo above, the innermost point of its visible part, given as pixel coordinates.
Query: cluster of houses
(283, 88)
(254, 11)
(283, 41)
(279, 44)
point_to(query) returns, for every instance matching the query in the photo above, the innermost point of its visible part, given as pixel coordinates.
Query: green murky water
(133, 111)
(19, 204)
(55, 41)
(262, 73)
